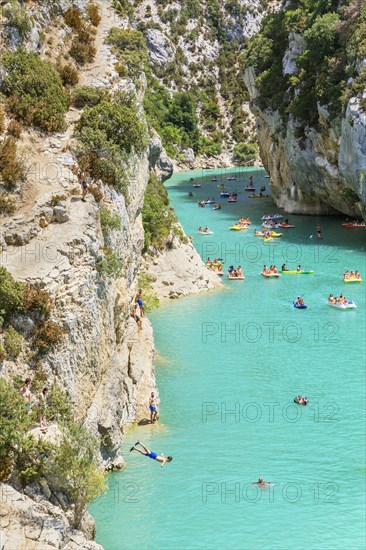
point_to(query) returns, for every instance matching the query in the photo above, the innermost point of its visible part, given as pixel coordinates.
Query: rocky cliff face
(313, 147)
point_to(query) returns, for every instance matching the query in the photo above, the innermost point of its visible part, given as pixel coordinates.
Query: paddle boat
(236, 278)
(217, 206)
(214, 179)
(272, 217)
(231, 178)
(352, 277)
(239, 227)
(342, 305)
(270, 225)
(356, 224)
(249, 188)
(235, 273)
(210, 201)
(205, 231)
(225, 194)
(301, 400)
(260, 196)
(269, 275)
(245, 220)
(221, 186)
(232, 199)
(196, 185)
(266, 239)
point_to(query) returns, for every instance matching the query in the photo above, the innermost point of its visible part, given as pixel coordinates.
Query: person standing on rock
(84, 185)
(136, 317)
(153, 408)
(26, 393)
(42, 409)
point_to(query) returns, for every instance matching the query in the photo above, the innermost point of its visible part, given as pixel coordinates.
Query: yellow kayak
(274, 234)
(238, 227)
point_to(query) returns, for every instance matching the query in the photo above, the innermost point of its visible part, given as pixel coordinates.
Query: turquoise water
(229, 364)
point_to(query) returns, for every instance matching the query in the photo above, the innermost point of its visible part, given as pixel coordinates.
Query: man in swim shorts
(153, 408)
(159, 458)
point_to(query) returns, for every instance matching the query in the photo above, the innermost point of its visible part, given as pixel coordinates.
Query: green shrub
(8, 203)
(77, 469)
(157, 218)
(47, 336)
(14, 423)
(11, 293)
(17, 17)
(108, 221)
(110, 265)
(87, 95)
(150, 299)
(82, 47)
(2, 119)
(12, 170)
(112, 127)
(2, 353)
(245, 153)
(131, 49)
(59, 406)
(68, 73)
(13, 342)
(34, 90)
(33, 461)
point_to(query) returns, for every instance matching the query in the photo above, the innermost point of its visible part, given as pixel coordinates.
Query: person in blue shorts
(146, 452)
(153, 408)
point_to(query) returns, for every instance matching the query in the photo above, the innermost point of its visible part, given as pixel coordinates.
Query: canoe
(295, 272)
(352, 280)
(297, 306)
(205, 232)
(270, 275)
(349, 305)
(238, 227)
(236, 278)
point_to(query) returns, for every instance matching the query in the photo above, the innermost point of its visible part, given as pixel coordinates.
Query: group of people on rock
(270, 270)
(137, 311)
(39, 401)
(340, 300)
(351, 275)
(238, 272)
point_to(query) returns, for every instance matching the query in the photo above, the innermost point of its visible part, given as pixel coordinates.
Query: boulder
(161, 49)
(61, 214)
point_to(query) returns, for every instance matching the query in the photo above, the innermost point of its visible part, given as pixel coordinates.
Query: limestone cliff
(308, 97)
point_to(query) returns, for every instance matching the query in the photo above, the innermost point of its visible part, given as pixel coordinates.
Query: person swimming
(261, 483)
(154, 456)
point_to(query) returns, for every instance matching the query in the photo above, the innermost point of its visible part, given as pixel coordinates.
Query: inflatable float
(205, 232)
(270, 275)
(352, 280)
(299, 306)
(349, 305)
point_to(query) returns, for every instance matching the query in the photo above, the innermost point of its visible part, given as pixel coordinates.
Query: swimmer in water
(261, 483)
(159, 458)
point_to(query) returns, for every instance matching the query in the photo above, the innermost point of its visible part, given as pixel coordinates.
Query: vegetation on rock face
(12, 170)
(34, 90)
(245, 153)
(157, 218)
(90, 96)
(327, 72)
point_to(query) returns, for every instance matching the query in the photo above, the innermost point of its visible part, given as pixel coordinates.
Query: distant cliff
(306, 75)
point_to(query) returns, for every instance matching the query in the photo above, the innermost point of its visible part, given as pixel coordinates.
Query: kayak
(295, 272)
(205, 232)
(270, 275)
(349, 305)
(285, 226)
(352, 280)
(258, 196)
(236, 278)
(237, 227)
(299, 306)
(274, 234)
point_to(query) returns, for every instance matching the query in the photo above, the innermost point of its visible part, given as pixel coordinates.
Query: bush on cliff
(12, 170)
(245, 153)
(34, 90)
(11, 293)
(158, 220)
